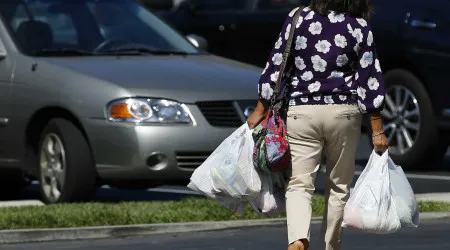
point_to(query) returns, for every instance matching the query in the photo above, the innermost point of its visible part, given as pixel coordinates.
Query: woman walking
(334, 78)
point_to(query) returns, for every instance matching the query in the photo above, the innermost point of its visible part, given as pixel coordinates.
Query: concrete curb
(42, 235)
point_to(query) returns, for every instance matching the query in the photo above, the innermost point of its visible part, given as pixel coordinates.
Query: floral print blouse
(334, 62)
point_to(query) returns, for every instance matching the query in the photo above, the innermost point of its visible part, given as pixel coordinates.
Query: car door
(6, 69)
(427, 44)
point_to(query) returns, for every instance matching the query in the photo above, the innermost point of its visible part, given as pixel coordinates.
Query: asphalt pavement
(430, 235)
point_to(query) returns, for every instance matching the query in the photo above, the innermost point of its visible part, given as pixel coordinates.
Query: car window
(89, 25)
(61, 25)
(279, 4)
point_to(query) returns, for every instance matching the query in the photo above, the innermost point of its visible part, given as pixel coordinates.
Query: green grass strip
(128, 213)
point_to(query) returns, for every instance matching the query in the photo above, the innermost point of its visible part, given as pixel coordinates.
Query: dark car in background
(413, 42)
(243, 30)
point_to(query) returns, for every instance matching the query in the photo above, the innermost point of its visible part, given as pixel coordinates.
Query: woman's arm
(370, 88)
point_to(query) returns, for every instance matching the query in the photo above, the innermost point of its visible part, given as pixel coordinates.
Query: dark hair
(355, 8)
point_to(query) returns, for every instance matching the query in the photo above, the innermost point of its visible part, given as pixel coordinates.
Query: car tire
(66, 166)
(428, 146)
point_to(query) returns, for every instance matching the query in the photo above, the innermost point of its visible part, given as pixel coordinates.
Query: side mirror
(198, 41)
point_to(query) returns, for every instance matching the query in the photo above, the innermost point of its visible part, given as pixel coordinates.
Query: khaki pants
(311, 129)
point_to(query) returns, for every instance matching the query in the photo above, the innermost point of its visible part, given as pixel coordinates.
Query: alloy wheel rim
(401, 119)
(53, 167)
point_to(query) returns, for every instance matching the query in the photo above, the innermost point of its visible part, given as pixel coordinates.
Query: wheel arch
(37, 123)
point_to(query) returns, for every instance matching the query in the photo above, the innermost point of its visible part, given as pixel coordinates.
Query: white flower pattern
(277, 59)
(266, 91)
(342, 97)
(323, 46)
(288, 30)
(378, 101)
(370, 38)
(314, 87)
(342, 60)
(328, 99)
(300, 63)
(300, 21)
(336, 18)
(377, 65)
(361, 92)
(336, 74)
(274, 76)
(373, 83)
(362, 22)
(301, 43)
(367, 59)
(340, 41)
(307, 76)
(292, 13)
(356, 70)
(279, 43)
(309, 16)
(265, 69)
(315, 28)
(320, 65)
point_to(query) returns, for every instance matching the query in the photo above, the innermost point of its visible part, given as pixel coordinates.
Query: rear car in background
(413, 42)
(96, 92)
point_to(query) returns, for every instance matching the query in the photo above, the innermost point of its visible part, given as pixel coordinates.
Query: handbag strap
(287, 51)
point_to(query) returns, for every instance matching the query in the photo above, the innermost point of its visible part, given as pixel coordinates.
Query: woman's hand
(257, 116)
(379, 140)
(380, 143)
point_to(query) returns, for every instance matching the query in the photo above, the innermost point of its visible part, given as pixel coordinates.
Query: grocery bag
(403, 196)
(371, 207)
(228, 175)
(270, 201)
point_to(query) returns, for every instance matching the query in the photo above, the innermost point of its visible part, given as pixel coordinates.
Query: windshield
(89, 26)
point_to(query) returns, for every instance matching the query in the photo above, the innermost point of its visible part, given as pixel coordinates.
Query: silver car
(96, 92)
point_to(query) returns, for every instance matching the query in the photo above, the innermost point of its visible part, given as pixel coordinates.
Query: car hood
(183, 78)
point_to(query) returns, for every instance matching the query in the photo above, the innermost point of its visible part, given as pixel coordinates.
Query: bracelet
(373, 136)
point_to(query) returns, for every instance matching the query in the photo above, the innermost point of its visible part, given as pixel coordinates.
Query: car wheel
(66, 166)
(409, 123)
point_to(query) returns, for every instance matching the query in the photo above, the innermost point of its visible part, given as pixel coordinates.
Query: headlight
(148, 110)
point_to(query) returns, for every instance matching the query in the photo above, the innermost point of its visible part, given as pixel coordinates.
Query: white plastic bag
(371, 207)
(233, 174)
(228, 174)
(403, 196)
(270, 202)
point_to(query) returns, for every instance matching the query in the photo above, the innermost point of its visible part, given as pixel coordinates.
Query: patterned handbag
(271, 153)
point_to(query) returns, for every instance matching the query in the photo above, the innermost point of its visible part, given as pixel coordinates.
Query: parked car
(243, 30)
(103, 92)
(413, 42)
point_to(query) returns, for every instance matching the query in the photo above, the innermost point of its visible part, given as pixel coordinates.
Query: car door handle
(422, 24)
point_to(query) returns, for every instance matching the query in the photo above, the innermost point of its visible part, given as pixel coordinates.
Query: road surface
(430, 235)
